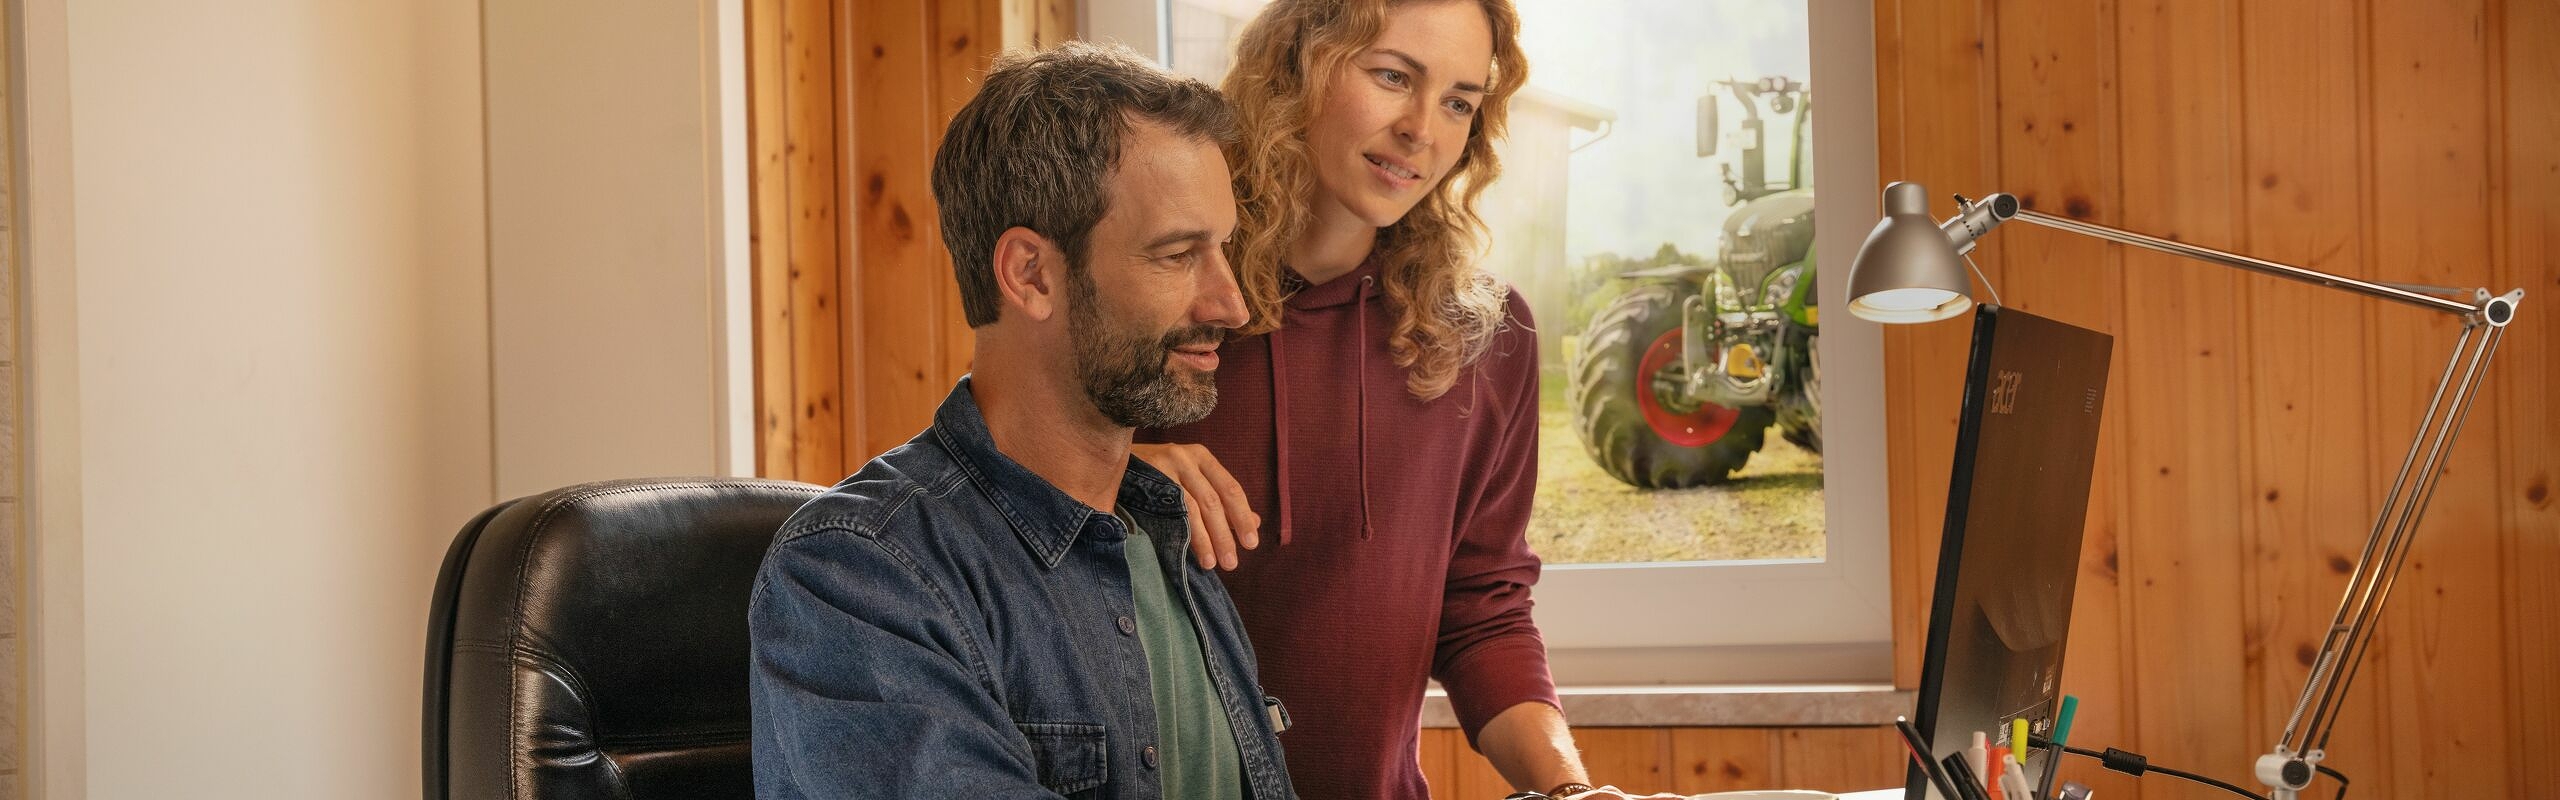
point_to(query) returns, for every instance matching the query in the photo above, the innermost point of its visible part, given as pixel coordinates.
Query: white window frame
(1728, 622)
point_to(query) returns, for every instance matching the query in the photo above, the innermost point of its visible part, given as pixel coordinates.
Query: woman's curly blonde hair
(1447, 310)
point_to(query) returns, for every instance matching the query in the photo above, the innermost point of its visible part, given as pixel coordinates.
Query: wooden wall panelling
(798, 275)
(2182, 449)
(2310, 502)
(770, 222)
(1689, 760)
(1633, 758)
(2527, 378)
(1934, 82)
(870, 88)
(1038, 23)
(898, 255)
(1471, 776)
(1727, 760)
(963, 50)
(1439, 756)
(821, 272)
(1840, 759)
(2431, 133)
(2056, 77)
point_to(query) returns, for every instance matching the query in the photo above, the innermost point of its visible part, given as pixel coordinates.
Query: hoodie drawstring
(1360, 441)
(1279, 432)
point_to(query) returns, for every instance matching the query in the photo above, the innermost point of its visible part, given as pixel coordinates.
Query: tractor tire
(1802, 424)
(1625, 427)
(1804, 436)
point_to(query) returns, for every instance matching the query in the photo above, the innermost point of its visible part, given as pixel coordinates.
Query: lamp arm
(2359, 636)
(2258, 265)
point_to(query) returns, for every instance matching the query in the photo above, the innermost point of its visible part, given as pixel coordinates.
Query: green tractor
(1676, 383)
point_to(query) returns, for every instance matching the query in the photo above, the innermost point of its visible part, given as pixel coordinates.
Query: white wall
(291, 323)
(617, 207)
(259, 309)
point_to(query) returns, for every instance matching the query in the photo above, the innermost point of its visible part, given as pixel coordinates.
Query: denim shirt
(945, 623)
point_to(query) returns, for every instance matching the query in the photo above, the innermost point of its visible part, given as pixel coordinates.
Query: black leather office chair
(592, 642)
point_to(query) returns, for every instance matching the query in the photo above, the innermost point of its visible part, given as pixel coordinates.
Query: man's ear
(1031, 273)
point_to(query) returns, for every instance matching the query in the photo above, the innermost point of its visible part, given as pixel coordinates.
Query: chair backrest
(592, 642)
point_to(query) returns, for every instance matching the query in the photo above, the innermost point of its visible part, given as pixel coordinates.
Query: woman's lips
(1394, 172)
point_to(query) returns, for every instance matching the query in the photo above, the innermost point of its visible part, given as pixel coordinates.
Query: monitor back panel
(2017, 502)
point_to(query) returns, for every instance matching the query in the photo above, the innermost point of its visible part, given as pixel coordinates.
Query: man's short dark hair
(1036, 148)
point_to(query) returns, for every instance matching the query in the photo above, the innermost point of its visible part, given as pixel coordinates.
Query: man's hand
(1221, 522)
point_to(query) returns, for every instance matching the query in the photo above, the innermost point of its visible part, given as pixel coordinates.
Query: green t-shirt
(1195, 748)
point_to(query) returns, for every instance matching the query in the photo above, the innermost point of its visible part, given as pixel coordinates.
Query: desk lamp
(1912, 270)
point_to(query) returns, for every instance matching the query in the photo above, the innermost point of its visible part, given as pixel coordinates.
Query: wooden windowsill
(1754, 705)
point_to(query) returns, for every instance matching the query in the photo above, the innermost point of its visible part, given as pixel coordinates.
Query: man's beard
(1128, 373)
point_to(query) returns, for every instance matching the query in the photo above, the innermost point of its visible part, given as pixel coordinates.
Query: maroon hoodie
(1394, 532)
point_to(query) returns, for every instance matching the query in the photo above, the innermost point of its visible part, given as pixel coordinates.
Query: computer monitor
(2016, 503)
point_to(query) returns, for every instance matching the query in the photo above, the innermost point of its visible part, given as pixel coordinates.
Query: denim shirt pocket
(1071, 757)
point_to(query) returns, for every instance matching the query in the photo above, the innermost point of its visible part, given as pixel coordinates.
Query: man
(1000, 607)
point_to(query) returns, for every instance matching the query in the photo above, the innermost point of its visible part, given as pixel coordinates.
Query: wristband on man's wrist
(1562, 790)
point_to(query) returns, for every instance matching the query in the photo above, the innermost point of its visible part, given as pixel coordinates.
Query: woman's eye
(1389, 76)
(1461, 107)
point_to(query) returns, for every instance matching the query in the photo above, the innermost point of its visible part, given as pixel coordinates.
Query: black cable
(2208, 782)
(2341, 777)
(2135, 764)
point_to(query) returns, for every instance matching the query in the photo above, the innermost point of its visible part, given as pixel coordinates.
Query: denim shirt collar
(1047, 518)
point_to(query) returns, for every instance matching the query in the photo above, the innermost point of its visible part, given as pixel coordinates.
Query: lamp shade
(1908, 271)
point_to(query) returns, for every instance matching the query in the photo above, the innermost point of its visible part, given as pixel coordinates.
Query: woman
(1381, 408)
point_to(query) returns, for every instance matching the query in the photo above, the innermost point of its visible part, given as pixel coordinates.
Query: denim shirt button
(1149, 755)
(1128, 627)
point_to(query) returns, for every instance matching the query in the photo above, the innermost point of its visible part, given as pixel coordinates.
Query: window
(1707, 452)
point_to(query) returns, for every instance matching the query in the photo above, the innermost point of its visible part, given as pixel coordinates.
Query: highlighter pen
(1999, 764)
(1919, 749)
(2053, 751)
(2018, 745)
(2062, 721)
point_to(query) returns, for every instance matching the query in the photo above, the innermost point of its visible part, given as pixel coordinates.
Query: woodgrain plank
(1839, 759)
(2059, 153)
(1723, 759)
(815, 269)
(2431, 131)
(1941, 107)
(2527, 378)
(2310, 450)
(968, 35)
(1055, 21)
(770, 249)
(1634, 759)
(1438, 754)
(1475, 777)
(1038, 23)
(2183, 453)
(896, 249)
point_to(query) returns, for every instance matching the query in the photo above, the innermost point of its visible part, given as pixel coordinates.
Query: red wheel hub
(1694, 429)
